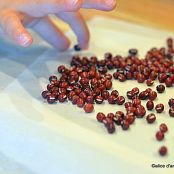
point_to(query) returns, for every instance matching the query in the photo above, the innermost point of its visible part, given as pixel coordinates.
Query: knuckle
(74, 4)
(111, 4)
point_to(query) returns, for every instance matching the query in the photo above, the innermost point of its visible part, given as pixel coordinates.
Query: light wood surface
(154, 13)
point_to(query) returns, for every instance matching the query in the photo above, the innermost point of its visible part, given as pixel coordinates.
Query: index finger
(105, 5)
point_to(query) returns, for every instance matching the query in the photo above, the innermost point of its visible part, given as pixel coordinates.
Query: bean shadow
(36, 64)
(36, 74)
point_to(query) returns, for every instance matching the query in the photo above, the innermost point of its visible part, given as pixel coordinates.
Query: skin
(16, 16)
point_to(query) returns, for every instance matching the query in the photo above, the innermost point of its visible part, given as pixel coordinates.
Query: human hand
(15, 16)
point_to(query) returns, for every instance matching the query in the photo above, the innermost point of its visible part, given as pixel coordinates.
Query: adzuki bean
(87, 82)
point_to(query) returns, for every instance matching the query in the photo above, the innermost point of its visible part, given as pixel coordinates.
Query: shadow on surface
(9, 166)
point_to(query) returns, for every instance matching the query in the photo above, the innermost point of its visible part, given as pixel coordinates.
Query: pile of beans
(87, 82)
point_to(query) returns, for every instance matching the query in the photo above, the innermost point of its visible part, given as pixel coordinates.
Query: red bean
(163, 151)
(171, 102)
(159, 136)
(99, 99)
(110, 115)
(88, 80)
(88, 108)
(115, 93)
(135, 91)
(74, 99)
(121, 78)
(163, 127)
(171, 112)
(168, 82)
(140, 111)
(150, 105)
(130, 94)
(151, 118)
(111, 128)
(52, 78)
(143, 95)
(45, 94)
(120, 100)
(80, 102)
(100, 116)
(130, 118)
(112, 99)
(128, 104)
(125, 125)
(159, 108)
(140, 78)
(105, 94)
(62, 97)
(108, 84)
(119, 116)
(90, 99)
(136, 102)
(51, 99)
(160, 88)
(152, 95)
(149, 82)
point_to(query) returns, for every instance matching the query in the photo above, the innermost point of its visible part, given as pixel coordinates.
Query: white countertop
(37, 138)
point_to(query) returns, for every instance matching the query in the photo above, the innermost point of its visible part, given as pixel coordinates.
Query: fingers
(105, 5)
(11, 25)
(79, 27)
(49, 31)
(41, 8)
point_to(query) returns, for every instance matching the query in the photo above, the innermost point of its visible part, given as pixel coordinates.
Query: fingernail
(84, 46)
(24, 39)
